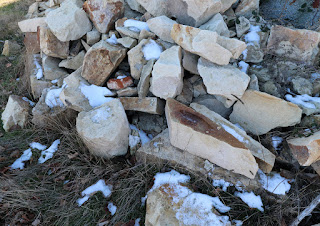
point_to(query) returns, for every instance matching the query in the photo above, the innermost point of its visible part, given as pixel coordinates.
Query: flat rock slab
(151, 105)
(259, 112)
(31, 25)
(197, 134)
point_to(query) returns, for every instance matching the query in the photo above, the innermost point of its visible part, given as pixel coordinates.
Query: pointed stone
(10, 48)
(136, 59)
(226, 4)
(197, 134)
(259, 112)
(151, 105)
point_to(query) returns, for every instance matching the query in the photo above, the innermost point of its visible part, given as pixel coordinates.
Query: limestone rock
(151, 105)
(104, 14)
(105, 129)
(126, 31)
(37, 86)
(144, 34)
(186, 94)
(225, 101)
(100, 61)
(16, 113)
(217, 24)
(242, 26)
(155, 7)
(235, 46)
(254, 54)
(246, 7)
(226, 81)
(51, 69)
(136, 59)
(120, 83)
(73, 62)
(128, 92)
(302, 85)
(197, 134)
(199, 88)
(226, 4)
(31, 25)
(93, 37)
(260, 112)
(69, 21)
(300, 45)
(134, 5)
(254, 83)
(162, 26)
(127, 42)
(270, 88)
(31, 42)
(167, 74)
(190, 62)
(144, 82)
(52, 46)
(10, 48)
(213, 104)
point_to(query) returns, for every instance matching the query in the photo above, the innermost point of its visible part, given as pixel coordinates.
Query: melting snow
(315, 76)
(29, 101)
(152, 50)
(96, 94)
(19, 163)
(55, 81)
(99, 186)
(137, 222)
(36, 145)
(39, 74)
(47, 154)
(136, 25)
(112, 40)
(112, 208)
(221, 183)
(234, 133)
(101, 114)
(253, 35)
(274, 183)
(276, 141)
(303, 100)
(143, 136)
(244, 66)
(245, 54)
(52, 98)
(133, 140)
(253, 201)
(237, 222)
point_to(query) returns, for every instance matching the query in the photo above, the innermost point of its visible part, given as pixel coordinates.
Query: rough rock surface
(151, 105)
(73, 62)
(259, 112)
(105, 129)
(217, 24)
(10, 48)
(51, 69)
(162, 26)
(31, 25)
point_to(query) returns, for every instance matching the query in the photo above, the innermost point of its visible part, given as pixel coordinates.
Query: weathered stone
(264, 157)
(316, 167)
(254, 54)
(235, 46)
(126, 31)
(302, 85)
(127, 42)
(151, 105)
(144, 82)
(300, 45)
(162, 26)
(134, 5)
(199, 88)
(254, 83)
(52, 46)
(100, 61)
(246, 7)
(197, 134)
(160, 152)
(213, 104)
(136, 59)
(144, 34)
(306, 149)
(16, 113)
(104, 14)
(242, 26)
(270, 88)
(31, 25)
(226, 4)
(51, 69)
(226, 81)
(190, 62)
(31, 42)
(186, 95)
(69, 21)
(10, 48)
(120, 83)
(53, 3)
(128, 92)
(225, 101)
(73, 62)
(93, 37)
(217, 24)
(105, 129)
(259, 112)
(85, 45)
(33, 9)
(167, 74)
(316, 87)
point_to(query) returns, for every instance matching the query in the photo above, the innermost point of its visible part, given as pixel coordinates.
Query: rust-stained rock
(197, 134)
(100, 61)
(103, 13)
(31, 42)
(52, 46)
(151, 105)
(306, 149)
(300, 45)
(120, 83)
(259, 112)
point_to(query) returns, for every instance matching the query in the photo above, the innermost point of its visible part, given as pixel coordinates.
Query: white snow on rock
(19, 163)
(38, 68)
(133, 140)
(137, 222)
(101, 114)
(52, 98)
(112, 40)
(136, 25)
(152, 50)
(237, 222)
(172, 177)
(274, 183)
(99, 186)
(48, 153)
(253, 35)
(221, 183)
(143, 136)
(32, 104)
(36, 145)
(112, 208)
(253, 201)
(96, 94)
(303, 100)
(244, 66)
(245, 54)
(276, 141)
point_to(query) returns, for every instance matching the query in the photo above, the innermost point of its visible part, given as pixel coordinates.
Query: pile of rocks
(203, 63)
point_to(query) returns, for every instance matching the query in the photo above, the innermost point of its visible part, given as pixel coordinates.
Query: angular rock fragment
(242, 26)
(306, 149)
(51, 69)
(167, 74)
(104, 14)
(144, 82)
(151, 105)
(134, 5)
(120, 83)
(93, 37)
(226, 4)
(69, 21)
(127, 42)
(197, 134)
(162, 26)
(259, 112)
(10, 48)
(73, 62)
(316, 167)
(31, 25)
(51, 46)
(186, 94)
(213, 104)
(226, 81)
(128, 92)
(254, 54)
(100, 61)
(124, 31)
(217, 24)
(190, 62)
(105, 129)
(246, 7)
(300, 45)
(136, 59)
(16, 113)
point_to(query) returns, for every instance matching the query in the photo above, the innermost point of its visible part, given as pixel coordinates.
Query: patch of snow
(152, 50)
(112, 40)
(137, 222)
(221, 183)
(99, 186)
(55, 81)
(274, 183)
(136, 25)
(257, 66)
(101, 114)
(143, 200)
(52, 98)
(19, 163)
(244, 66)
(47, 154)
(36, 145)
(66, 181)
(237, 222)
(143, 136)
(172, 177)
(29, 101)
(234, 133)
(133, 140)
(253, 201)
(17, 79)
(112, 208)
(315, 76)
(155, 144)
(96, 94)
(253, 35)
(238, 125)
(276, 141)
(38, 68)
(303, 100)
(245, 54)
(121, 76)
